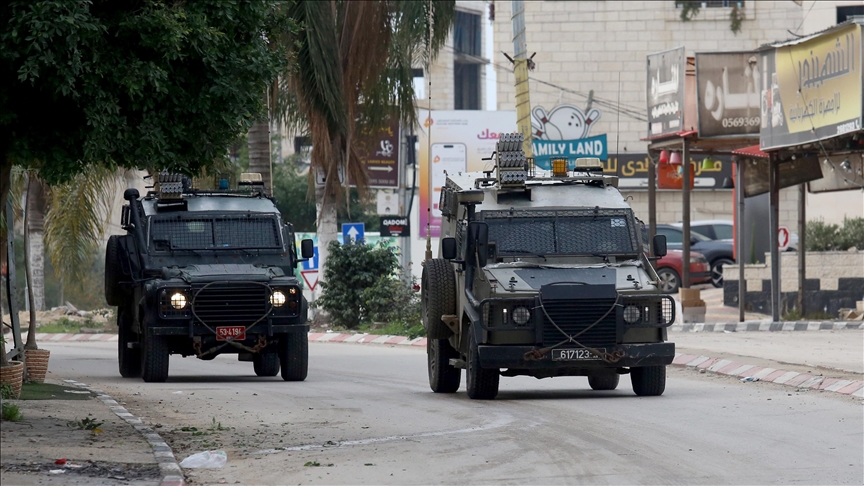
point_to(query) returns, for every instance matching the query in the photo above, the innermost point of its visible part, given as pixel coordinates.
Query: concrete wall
(834, 280)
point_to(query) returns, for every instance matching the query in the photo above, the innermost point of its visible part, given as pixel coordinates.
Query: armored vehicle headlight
(521, 315)
(277, 298)
(178, 300)
(632, 314)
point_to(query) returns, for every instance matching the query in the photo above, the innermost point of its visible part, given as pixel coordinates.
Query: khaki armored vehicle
(543, 274)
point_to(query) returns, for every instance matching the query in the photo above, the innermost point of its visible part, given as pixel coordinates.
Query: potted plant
(11, 372)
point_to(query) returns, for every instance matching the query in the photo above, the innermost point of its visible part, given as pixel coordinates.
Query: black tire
(717, 271)
(648, 381)
(294, 356)
(114, 293)
(670, 281)
(443, 378)
(266, 364)
(438, 295)
(154, 358)
(129, 360)
(482, 384)
(604, 382)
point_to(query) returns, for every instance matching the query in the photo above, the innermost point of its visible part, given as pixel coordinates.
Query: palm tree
(354, 69)
(72, 216)
(258, 139)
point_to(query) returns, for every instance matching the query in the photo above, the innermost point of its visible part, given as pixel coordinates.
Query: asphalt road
(367, 416)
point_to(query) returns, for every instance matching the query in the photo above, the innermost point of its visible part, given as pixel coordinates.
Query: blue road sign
(312, 263)
(353, 231)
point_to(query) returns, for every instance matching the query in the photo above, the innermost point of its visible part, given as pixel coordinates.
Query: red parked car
(669, 270)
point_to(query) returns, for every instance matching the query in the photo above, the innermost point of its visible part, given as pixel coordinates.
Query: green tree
(147, 84)
(355, 65)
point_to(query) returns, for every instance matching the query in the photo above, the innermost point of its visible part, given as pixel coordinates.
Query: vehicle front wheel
(438, 297)
(294, 356)
(648, 381)
(154, 358)
(669, 280)
(717, 271)
(482, 383)
(266, 364)
(603, 382)
(443, 377)
(129, 359)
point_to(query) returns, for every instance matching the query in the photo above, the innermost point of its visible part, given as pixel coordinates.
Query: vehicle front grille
(231, 303)
(574, 316)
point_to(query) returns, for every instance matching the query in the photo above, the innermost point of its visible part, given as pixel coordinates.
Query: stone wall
(834, 280)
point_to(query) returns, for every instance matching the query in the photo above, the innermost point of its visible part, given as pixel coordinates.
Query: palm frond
(76, 219)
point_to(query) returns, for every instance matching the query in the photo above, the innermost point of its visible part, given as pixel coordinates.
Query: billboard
(728, 93)
(564, 131)
(455, 141)
(666, 72)
(811, 90)
(379, 154)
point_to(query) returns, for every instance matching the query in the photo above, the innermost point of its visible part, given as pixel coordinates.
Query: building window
(845, 13)
(419, 84)
(712, 3)
(466, 61)
(466, 33)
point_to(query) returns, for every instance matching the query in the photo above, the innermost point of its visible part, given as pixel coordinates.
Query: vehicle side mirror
(307, 248)
(659, 245)
(478, 234)
(693, 241)
(448, 248)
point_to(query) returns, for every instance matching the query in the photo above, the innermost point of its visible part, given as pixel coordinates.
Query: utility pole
(520, 70)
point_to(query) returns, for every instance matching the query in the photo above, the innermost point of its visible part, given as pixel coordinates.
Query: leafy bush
(393, 300)
(6, 391)
(349, 271)
(831, 237)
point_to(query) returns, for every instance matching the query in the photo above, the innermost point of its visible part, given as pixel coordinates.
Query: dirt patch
(90, 469)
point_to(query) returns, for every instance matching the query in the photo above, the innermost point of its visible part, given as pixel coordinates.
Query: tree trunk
(35, 228)
(5, 186)
(258, 139)
(29, 257)
(327, 229)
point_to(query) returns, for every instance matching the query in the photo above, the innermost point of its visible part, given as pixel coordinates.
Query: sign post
(353, 231)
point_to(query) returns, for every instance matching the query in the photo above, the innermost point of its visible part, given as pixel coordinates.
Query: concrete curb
(172, 475)
(750, 326)
(781, 377)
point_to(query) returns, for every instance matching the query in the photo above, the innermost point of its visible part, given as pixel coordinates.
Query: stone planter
(37, 364)
(13, 375)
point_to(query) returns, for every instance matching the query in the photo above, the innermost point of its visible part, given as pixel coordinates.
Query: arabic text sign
(546, 150)
(666, 91)
(728, 92)
(812, 90)
(379, 155)
(632, 171)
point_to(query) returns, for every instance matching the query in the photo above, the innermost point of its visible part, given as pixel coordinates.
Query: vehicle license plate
(574, 355)
(234, 333)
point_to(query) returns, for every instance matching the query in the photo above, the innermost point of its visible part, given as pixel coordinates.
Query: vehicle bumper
(260, 329)
(699, 277)
(635, 355)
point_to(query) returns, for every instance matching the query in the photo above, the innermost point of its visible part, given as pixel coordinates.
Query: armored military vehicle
(542, 273)
(202, 273)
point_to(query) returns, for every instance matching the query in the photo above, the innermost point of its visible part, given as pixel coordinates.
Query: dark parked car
(717, 252)
(669, 269)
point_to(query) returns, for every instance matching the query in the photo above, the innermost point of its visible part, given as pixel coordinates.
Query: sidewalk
(716, 312)
(68, 436)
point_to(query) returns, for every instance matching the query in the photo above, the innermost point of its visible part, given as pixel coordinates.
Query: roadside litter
(206, 459)
(750, 378)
